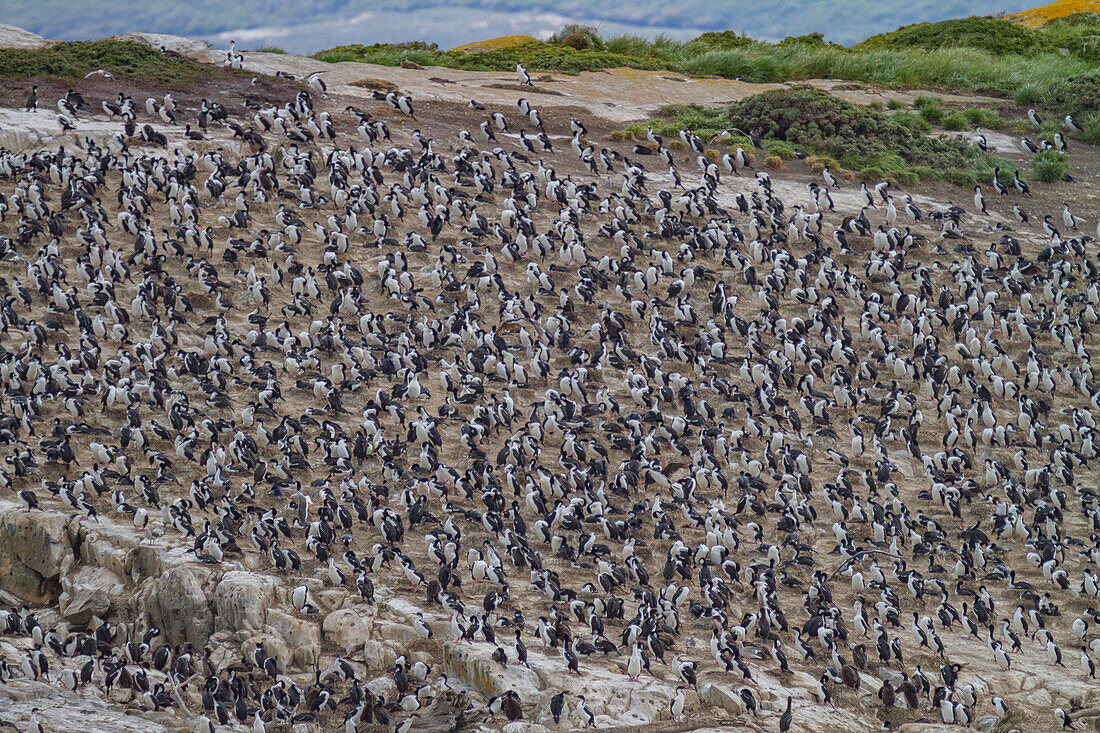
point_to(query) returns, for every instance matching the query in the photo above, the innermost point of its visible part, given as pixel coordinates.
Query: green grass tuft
(956, 121)
(1049, 166)
(1091, 124)
(931, 109)
(536, 55)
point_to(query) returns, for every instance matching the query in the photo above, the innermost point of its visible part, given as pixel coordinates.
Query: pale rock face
(89, 592)
(1040, 699)
(302, 637)
(33, 549)
(105, 544)
(144, 562)
(272, 645)
(522, 726)
(348, 628)
(721, 696)
(377, 655)
(402, 633)
(62, 712)
(241, 601)
(986, 724)
(186, 46)
(177, 605)
(13, 37)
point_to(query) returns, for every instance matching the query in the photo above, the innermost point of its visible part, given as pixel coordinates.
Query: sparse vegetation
(124, 59)
(269, 49)
(1090, 121)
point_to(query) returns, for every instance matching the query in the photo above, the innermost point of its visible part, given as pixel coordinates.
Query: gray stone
(33, 547)
(89, 592)
(347, 628)
(241, 601)
(302, 637)
(1040, 699)
(721, 697)
(177, 605)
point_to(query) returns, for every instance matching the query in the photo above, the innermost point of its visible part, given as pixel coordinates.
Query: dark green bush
(956, 120)
(1078, 33)
(810, 39)
(578, 37)
(722, 40)
(930, 108)
(861, 138)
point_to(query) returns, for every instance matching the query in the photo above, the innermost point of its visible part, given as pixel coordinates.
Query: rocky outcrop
(13, 37)
(34, 548)
(348, 629)
(89, 592)
(60, 711)
(177, 605)
(449, 711)
(302, 638)
(721, 696)
(241, 600)
(189, 47)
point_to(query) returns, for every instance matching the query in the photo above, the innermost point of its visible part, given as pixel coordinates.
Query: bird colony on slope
(573, 405)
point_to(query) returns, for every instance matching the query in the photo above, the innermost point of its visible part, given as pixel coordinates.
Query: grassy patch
(1078, 33)
(124, 59)
(984, 117)
(913, 120)
(1091, 124)
(1077, 94)
(1049, 166)
(269, 49)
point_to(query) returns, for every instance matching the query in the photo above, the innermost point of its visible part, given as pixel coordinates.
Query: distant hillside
(307, 25)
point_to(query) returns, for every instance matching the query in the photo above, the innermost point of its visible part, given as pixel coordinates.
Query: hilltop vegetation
(1046, 67)
(123, 59)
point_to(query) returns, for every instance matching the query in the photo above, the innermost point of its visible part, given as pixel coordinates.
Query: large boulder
(13, 37)
(302, 637)
(721, 696)
(88, 592)
(33, 549)
(177, 605)
(241, 601)
(347, 629)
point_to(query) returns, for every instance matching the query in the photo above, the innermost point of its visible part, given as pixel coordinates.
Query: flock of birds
(695, 424)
